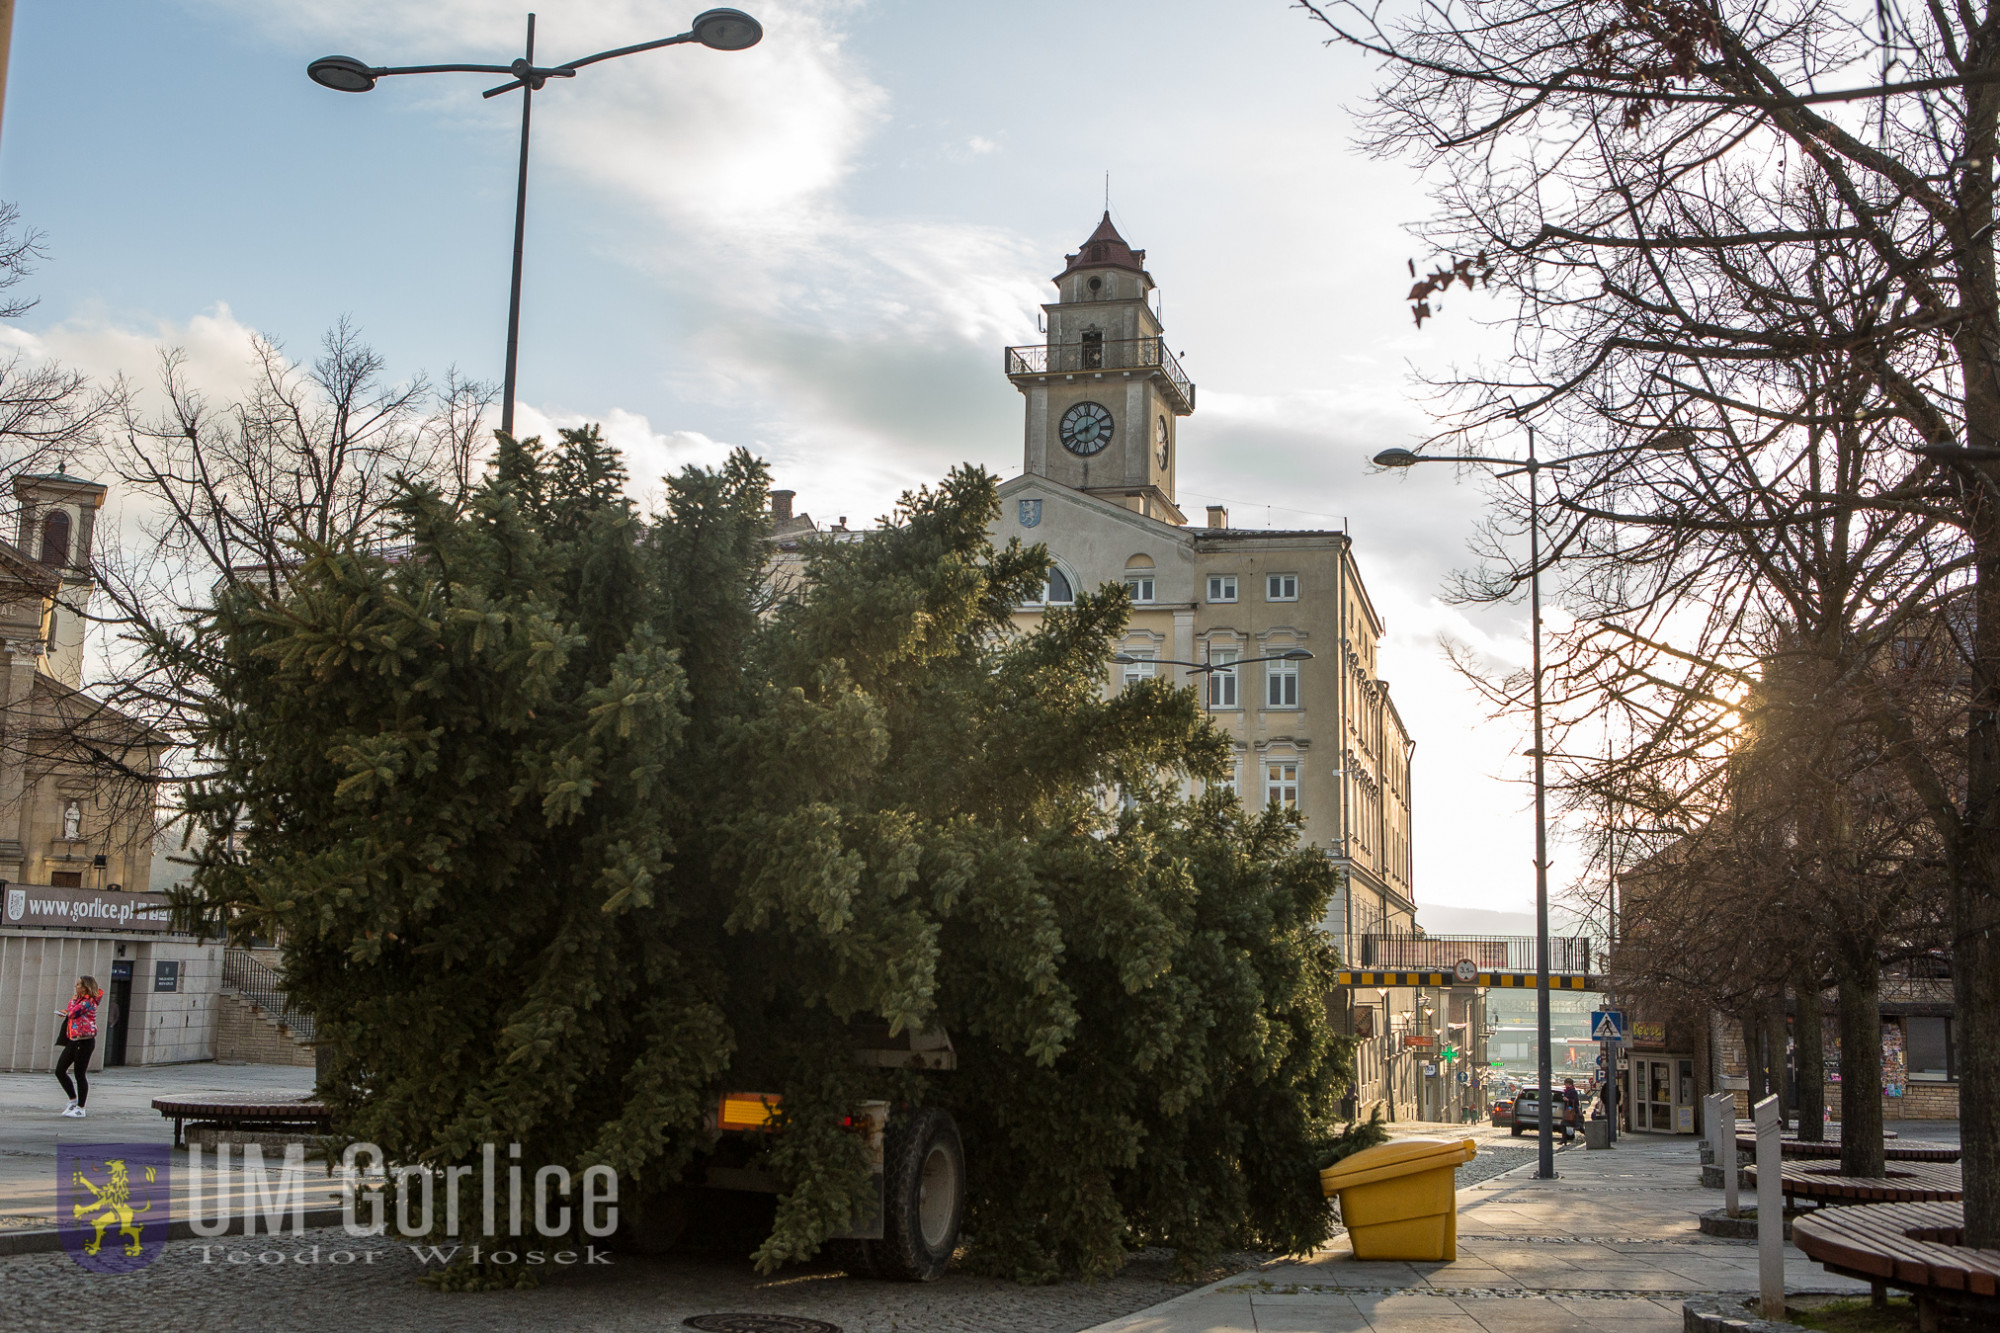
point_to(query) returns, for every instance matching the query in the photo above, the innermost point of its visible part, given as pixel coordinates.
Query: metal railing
(1568, 955)
(1115, 354)
(264, 988)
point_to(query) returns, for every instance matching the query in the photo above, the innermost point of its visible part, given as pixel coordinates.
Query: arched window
(1093, 349)
(55, 538)
(1059, 593)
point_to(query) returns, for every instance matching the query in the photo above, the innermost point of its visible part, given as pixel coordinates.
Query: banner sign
(84, 909)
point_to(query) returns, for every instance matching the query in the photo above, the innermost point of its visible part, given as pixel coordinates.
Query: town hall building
(1274, 628)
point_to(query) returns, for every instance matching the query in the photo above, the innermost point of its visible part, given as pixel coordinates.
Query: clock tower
(1104, 395)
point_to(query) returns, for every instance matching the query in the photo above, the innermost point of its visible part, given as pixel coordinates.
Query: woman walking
(79, 1043)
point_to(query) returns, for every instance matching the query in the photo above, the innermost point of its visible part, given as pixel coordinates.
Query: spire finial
(1107, 189)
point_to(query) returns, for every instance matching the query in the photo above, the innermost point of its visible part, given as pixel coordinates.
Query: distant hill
(1439, 919)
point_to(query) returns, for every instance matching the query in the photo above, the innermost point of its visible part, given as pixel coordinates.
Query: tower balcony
(1041, 361)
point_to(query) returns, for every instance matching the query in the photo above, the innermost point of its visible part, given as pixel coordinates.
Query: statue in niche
(72, 821)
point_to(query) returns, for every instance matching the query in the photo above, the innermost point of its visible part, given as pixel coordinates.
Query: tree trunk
(1808, 1040)
(1774, 1054)
(1861, 1066)
(1976, 997)
(1752, 1028)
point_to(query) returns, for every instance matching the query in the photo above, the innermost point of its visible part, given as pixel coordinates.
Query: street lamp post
(1401, 458)
(717, 29)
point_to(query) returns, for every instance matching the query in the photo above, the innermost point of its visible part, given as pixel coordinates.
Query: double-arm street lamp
(1532, 466)
(717, 29)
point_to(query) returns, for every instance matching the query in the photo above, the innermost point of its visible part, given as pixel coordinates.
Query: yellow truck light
(748, 1110)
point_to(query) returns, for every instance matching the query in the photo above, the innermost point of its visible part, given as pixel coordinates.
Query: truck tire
(923, 1196)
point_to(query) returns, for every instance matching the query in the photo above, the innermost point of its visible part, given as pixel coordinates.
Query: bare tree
(228, 495)
(47, 412)
(1690, 201)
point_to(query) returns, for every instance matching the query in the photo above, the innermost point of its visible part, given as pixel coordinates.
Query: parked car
(1503, 1112)
(1527, 1115)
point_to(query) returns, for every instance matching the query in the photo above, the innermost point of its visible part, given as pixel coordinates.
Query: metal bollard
(1770, 1208)
(1725, 1152)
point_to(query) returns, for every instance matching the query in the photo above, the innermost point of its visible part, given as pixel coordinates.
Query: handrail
(1568, 955)
(1114, 354)
(265, 989)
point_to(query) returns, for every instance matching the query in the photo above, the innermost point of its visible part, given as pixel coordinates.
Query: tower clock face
(1086, 429)
(1160, 441)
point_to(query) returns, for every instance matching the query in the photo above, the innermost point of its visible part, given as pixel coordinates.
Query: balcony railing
(1116, 354)
(1568, 956)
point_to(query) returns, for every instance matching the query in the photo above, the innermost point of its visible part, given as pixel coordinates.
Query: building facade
(1274, 628)
(77, 819)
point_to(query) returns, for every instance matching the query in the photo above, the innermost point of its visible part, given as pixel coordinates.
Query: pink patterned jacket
(81, 1019)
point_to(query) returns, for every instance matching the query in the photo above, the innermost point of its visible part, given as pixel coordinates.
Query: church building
(1275, 628)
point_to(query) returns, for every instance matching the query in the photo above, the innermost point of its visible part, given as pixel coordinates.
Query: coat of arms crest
(1031, 513)
(113, 1202)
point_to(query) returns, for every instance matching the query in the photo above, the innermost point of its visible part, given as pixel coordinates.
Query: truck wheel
(923, 1189)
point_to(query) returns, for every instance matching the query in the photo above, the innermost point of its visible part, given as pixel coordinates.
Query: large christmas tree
(567, 821)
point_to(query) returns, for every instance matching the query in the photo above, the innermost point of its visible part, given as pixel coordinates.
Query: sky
(816, 249)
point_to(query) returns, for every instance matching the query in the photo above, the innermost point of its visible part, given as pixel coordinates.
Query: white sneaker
(75, 1113)
(70, 1107)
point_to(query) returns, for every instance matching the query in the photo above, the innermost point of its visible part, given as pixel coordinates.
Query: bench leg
(178, 1142)
(1927, 1314)
(1878, 1294)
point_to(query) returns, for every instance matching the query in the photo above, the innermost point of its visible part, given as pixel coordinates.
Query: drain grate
(759, 1323)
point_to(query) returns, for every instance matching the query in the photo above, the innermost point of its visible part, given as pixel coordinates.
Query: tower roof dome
(1105, 249)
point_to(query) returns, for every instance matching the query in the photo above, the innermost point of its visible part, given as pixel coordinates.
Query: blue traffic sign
(1607, 1025)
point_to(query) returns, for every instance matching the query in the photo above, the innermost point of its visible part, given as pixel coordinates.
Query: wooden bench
(1830, 1149)
(1911, 1246)
(283, 1117)
(1906, 1182)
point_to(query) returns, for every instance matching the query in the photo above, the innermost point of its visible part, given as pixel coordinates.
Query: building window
(1281, 588)
(1222, 680)
(1140, 668)
(1057, 591)
(1281, 685)
(1227, 782)
(1140, 586)
(1281, 783)
(1927, 1047)
(55, 538)
(1093, 349)
(1221, 587)
(65, 879)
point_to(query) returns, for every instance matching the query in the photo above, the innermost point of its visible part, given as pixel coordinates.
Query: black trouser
(76, 1052)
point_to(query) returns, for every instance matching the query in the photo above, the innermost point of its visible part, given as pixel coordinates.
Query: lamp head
(1397, 458)
(1297, 655)
(727, 30)
(343, 74)
(1124, 659)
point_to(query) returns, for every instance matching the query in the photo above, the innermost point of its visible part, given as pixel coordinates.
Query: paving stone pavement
(358, 1286)
(1610, 1246)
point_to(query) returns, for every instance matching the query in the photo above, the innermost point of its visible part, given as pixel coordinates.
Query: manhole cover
(759, 1323)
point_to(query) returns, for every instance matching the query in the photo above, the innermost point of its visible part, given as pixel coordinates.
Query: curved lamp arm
(569, 68)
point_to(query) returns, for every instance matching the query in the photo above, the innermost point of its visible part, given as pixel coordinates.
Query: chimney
(781, 506)
(1218, 517)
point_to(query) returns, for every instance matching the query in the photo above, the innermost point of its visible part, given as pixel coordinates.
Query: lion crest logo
(113, 1202)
